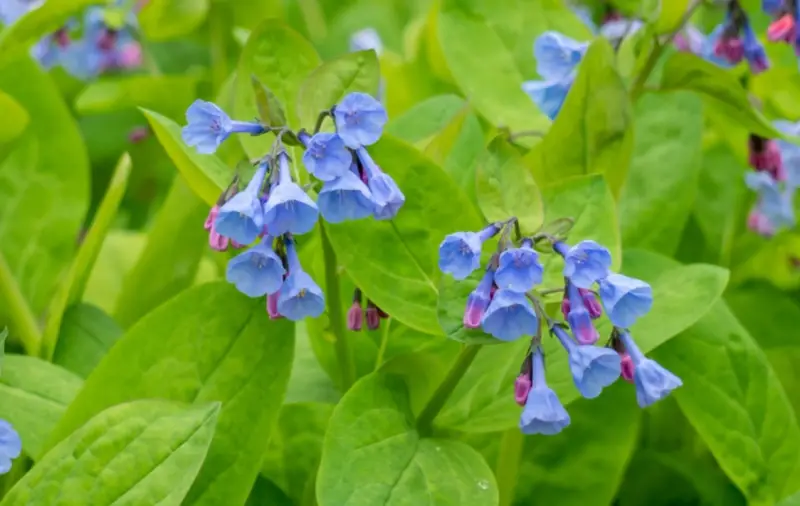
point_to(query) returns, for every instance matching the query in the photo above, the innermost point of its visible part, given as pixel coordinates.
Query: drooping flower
(216, 240)
(509, 316)
(765, 156)
(735, 40)
(478, 301)
(543, 412)
(208, 126)
(460, 252)
(771, 6)
(579, 319)
(753, 50)
(519, 268)
(557, 57)
(345, 198)
(355, 316)
(625, 299)
(626, 370)
(258, 271)
(288, 208)
(10, 446)
(272, 306)
(585, 263)
(300, 296)
(591, 303)
(593, 368)
(782, 29)
(366, 39)
(326, 157)
(387, 198)
(242, 217)
(522, 386)
(652, 381)
(12, 10)
(373, 317)
(774, 204)
(789, 153)
(359, 120)
(549, 96)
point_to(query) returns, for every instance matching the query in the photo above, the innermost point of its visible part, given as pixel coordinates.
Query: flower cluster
(273, 208)
(356, 313)
(508, 305)
(103, 41)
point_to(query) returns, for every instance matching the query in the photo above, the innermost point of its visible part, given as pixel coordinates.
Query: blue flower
(625, 299)
(478, 301)
(549, 96)
(82, 60)
(326, 156)
(258, 271)
(359, 120)
(543, 412)
(774, 204)
(579, 317)
(12, 10)
(790, 153)
(208, 126)
(460, 253)
(366, 39)
(593, 368)
(288, 208)
(652, 381)
(345, 198)
(300, 296)
(242, 217)
(386, 196)
(771, 6)
(753, 50)
(557, 55)
(519, 268)
(10, 446)
(617, 29)
(509, 316)
(584, 263)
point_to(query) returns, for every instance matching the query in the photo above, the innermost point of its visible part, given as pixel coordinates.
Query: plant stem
(219, 47)
(507, 468)
(19, 312)
(334, 306)
(384, 342)
(445, 388)
(320, 119)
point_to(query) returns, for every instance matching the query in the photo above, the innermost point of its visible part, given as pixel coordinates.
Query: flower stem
(335, 308)
(23, 322)
(507, 468)
(445, 388)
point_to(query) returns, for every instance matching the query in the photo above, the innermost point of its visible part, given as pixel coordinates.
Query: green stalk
(507, 468)
(22, 319)
(335, 311)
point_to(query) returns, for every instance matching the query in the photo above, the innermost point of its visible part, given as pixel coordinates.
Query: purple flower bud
(522, 386)
(478, 301)
(579, 319)
(591, 303)
(355, 316)
(782, 29)
(626, 367)
(272, 306)
(373, 318)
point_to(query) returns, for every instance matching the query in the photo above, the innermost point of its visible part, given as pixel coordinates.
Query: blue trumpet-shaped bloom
(326, 157)
(543, 412)
(519, 268)
(359, 120)
(208, 127)
(345, 198)
(579, 317)
(288, 208)
(593, 368)
(651, 380)
(242, 217)
(258, 271)
(510, 316)
(10, 446)
(625, 299)
(549, 96)
(585, 263)
(386, 195)
(300, 297)
(11, 10)
(776, 204)
(460, 253)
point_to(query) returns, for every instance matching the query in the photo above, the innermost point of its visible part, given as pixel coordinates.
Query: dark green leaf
(87, 333)
(270, 110)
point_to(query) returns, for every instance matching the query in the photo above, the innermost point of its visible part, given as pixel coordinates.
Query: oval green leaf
(15, 118)
(169, 94)
(167, 19)
(87, 334)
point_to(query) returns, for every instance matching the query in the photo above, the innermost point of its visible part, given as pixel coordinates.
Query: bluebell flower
(359, 120)
(386, 195)
(625, 299)
(593, 368)
(557, 57)
(652, 381)
(775, 204)
(300, 296)
(543, 412)
(584, 263)
(579, 317)
(771, 7)
(10, 446)
(208, 126)
(288, 208)
(460, 253)
(366, 39)
(258, 271)
(12, 10)
(82, 59)
(326, 157)
(549, 96)
(345, 198)
(242, 217)
(753, 50)
(478, 300)
(519, 268)
(510, 316)
(616, 29)
(790, 153)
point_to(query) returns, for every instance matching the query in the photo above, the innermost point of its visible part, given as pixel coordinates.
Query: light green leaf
(15, 119)
(373, 455)
(394, 262)
(144, 452)
(593, 131)
(169, 94)
(671, 13)
(33, 396)
(457, 147)
(206, 175)
(660, 189)
(426, 118)
(792, 500)
(168, 19)
(208, 343)
(169, 262)
(87, 334)
(334, 79)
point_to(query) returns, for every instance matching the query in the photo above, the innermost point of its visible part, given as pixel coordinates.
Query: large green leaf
(87, 334)
(593, 131)
(426, 118)
(169, 94)
(170, 260)
(660, 189)
(15, 118)
(167, 19)
(372, 455)
(457, 148)
(209, 343)
(33, 396)
(144, 452)
(394, 262)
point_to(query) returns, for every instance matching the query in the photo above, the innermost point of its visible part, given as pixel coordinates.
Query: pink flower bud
(373, 319)
(272, 306)
(212, 216)
(782, 29)
(355, 316)
(627, 367)
(591, 303)
(565, 306)
(759, 223)
(130, 56)
(138, 134)
(522, 386)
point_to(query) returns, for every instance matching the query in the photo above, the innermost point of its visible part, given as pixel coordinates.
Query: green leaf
(373, 455)
(270, 110)
(457, 147)
(295, 449)
(33, 396)
(208, 343)
(72, 287)
(505, 188)
(718, 88)
(671, 13)
(426, 118)
(3, 337)
(169, 94)
(37, 23)
(450, 309)
(15, 118)
(484, 69)
(170, 260)
(168, 19)
(267, 493)
(144, 452)
(657, 198)
(334, 79)
(206, 175)
(393, 262)
(593, 131)
(87, 334)
(793, 500)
